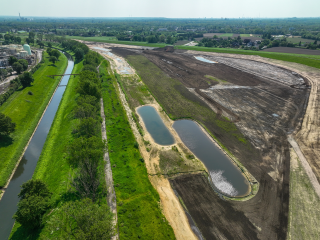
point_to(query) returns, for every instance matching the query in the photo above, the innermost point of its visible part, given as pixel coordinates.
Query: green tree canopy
(34, 202)
(12, 60)
(53, 59)
(26, 79)
(24, 64)
(17, 67)
(6, 125)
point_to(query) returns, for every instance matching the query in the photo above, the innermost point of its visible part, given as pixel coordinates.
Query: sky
(162, 8)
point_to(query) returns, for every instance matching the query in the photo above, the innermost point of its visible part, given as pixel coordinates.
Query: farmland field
(299, 39)
(293, 50)
(226, 35)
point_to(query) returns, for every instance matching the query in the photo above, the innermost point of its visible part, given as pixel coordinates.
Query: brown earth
(269, 162)
(293, 50)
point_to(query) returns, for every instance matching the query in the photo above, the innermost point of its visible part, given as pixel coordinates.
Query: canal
(26, 167)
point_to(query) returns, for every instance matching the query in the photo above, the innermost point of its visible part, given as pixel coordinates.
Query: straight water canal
(26, 167)
(226, 176)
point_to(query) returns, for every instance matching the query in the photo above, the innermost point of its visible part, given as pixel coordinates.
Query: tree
(88, 127)
(82, 220)
(34, 202)
(55, 53)
(6, 125)
(17, 67)
(24, 64)
(12, 60)
(79, 53)
(53, 59)
(50, 45)
(10, 70)
(162, 38)
(26, 79)
(18, 40)
(41, 44)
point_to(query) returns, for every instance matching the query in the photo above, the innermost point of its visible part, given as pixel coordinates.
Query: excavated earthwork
(266, 103)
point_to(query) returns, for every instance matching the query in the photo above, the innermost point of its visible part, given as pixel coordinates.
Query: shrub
(83, 220)
(88, 127)
(26, 79)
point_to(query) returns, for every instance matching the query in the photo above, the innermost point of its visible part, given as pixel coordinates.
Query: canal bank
(28, 163)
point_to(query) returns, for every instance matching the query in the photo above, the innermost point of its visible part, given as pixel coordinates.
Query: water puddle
(155, 126)
(226, 177)
(204, 60)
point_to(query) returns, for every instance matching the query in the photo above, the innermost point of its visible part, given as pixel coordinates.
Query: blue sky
(162, 8)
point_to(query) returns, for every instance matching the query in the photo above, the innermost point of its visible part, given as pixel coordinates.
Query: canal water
(226, 176)
(25, 169)
(155, 126)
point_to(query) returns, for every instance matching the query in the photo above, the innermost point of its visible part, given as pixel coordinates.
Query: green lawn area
(139, 213)
(25, 110)
(226, 35)
(244, 35)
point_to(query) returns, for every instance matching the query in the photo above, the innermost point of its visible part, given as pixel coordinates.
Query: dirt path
(112, 202)
(305, 165)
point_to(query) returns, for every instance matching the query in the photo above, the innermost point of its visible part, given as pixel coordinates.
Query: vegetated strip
(26, 110)
(139, 213)
(54, 166)
(99, 39)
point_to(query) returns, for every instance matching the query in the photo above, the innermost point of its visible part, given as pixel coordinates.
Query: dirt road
(112, 202)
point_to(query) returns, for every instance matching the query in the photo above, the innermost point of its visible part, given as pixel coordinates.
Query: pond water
(27, 165)
(155, 126)
(204, 60)
(226, 177)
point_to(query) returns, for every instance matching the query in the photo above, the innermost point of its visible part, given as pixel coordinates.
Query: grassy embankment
(25, 110)
(52, 167)
(139, 213)
(106, 40)
(304, 209)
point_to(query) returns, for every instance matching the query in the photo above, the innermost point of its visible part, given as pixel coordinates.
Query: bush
(30, 93)
(17, 67)
(24, 64)
(89, 88)
(83, 220)
(88, 127)
(6, 125)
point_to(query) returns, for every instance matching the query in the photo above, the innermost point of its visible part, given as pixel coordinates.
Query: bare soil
(269, 162)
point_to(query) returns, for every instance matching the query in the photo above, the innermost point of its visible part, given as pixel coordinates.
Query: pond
(204, 60)
(155, 126)
(226, 176)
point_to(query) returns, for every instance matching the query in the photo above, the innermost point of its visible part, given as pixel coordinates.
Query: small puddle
(204, 60)
(226, 177)
(155, 126)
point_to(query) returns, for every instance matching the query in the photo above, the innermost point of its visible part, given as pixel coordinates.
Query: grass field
(226, 35)
(52, 167)
(304, 205)
(26, 110)
(139, 213)
(298, 39)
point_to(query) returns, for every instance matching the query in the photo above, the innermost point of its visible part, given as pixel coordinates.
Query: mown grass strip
(26, 110)
(139, 213)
